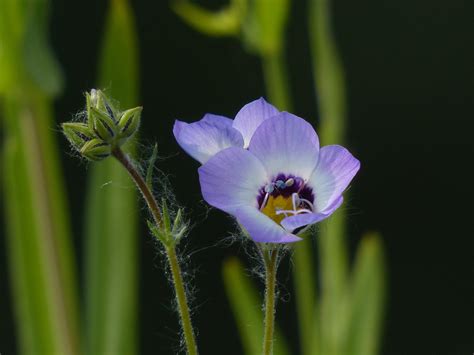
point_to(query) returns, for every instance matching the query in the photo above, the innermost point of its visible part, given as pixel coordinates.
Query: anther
(269, 188)
(289, 182)
(280, 184)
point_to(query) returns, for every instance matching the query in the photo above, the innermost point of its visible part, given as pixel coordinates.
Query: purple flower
(266, 168)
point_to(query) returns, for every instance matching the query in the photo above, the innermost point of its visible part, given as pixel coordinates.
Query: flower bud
(96, 99)
(129, 123)
(77, 133)
(96, 149)
(104, 126)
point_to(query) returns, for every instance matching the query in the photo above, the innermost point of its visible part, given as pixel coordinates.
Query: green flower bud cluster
(105, 130)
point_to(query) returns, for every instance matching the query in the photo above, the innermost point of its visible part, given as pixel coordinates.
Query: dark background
(409, 68)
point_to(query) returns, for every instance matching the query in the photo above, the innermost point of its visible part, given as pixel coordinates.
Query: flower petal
(261, 228)
(294, 222)
(286, 144)
(206, 137)
(335, 170)
(251, 116)
(232, 178)
(217, 119)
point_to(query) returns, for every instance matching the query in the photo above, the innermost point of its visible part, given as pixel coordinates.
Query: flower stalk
(270, 258)
(141, 184)
(107, 129)
(161, 222)
(182, 301)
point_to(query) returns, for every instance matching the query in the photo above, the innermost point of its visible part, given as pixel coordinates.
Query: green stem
(141, 184)
(182, 301)
(276, 80)
(170, 249)
(270, 258)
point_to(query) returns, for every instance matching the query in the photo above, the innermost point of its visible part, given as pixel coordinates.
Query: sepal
(129, 123)
(77, 134)
(96, 149)
(104, 126)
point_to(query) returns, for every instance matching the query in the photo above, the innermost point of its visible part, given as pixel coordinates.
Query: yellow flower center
(275, 204)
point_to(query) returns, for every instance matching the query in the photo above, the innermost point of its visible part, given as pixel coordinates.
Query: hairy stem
(270, 258)
(182, 301)
(141, 184)
(170, 249)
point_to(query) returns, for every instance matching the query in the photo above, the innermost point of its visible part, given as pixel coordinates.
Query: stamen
(303, 184)
(278, 212)
(285, 196)
(285, 212)
(308, 203)
(304, 210)
(295, 199)
(265, 200)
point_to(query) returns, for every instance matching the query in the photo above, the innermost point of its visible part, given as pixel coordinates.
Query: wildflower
(266, 168)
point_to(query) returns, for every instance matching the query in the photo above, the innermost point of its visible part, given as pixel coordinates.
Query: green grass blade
(26, 274)
(38, 235)
(246, 305)
(40, 255)
(367, 301)
(330, 85)
(111, 221)
(304, 275)
(328, 74)
(334, 282)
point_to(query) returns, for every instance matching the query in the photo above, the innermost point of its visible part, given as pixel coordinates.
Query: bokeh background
(410, 83)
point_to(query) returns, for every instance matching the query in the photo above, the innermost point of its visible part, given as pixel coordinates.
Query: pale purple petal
(286, 144)
(261, 228)
(206, 137)
(335, 170)
(305, 219)
(251, 116)
(232, 178)
(217, 119)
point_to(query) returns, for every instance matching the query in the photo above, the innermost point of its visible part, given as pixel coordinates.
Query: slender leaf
(367, 298)
(111, 223)
(38, 236)
(330, 90)
(40, 257)
(328, 73)
(246, 305)
(304, 276)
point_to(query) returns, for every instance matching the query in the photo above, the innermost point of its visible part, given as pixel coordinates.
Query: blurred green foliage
(246, 305)
(111, 233)
(41, 263)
